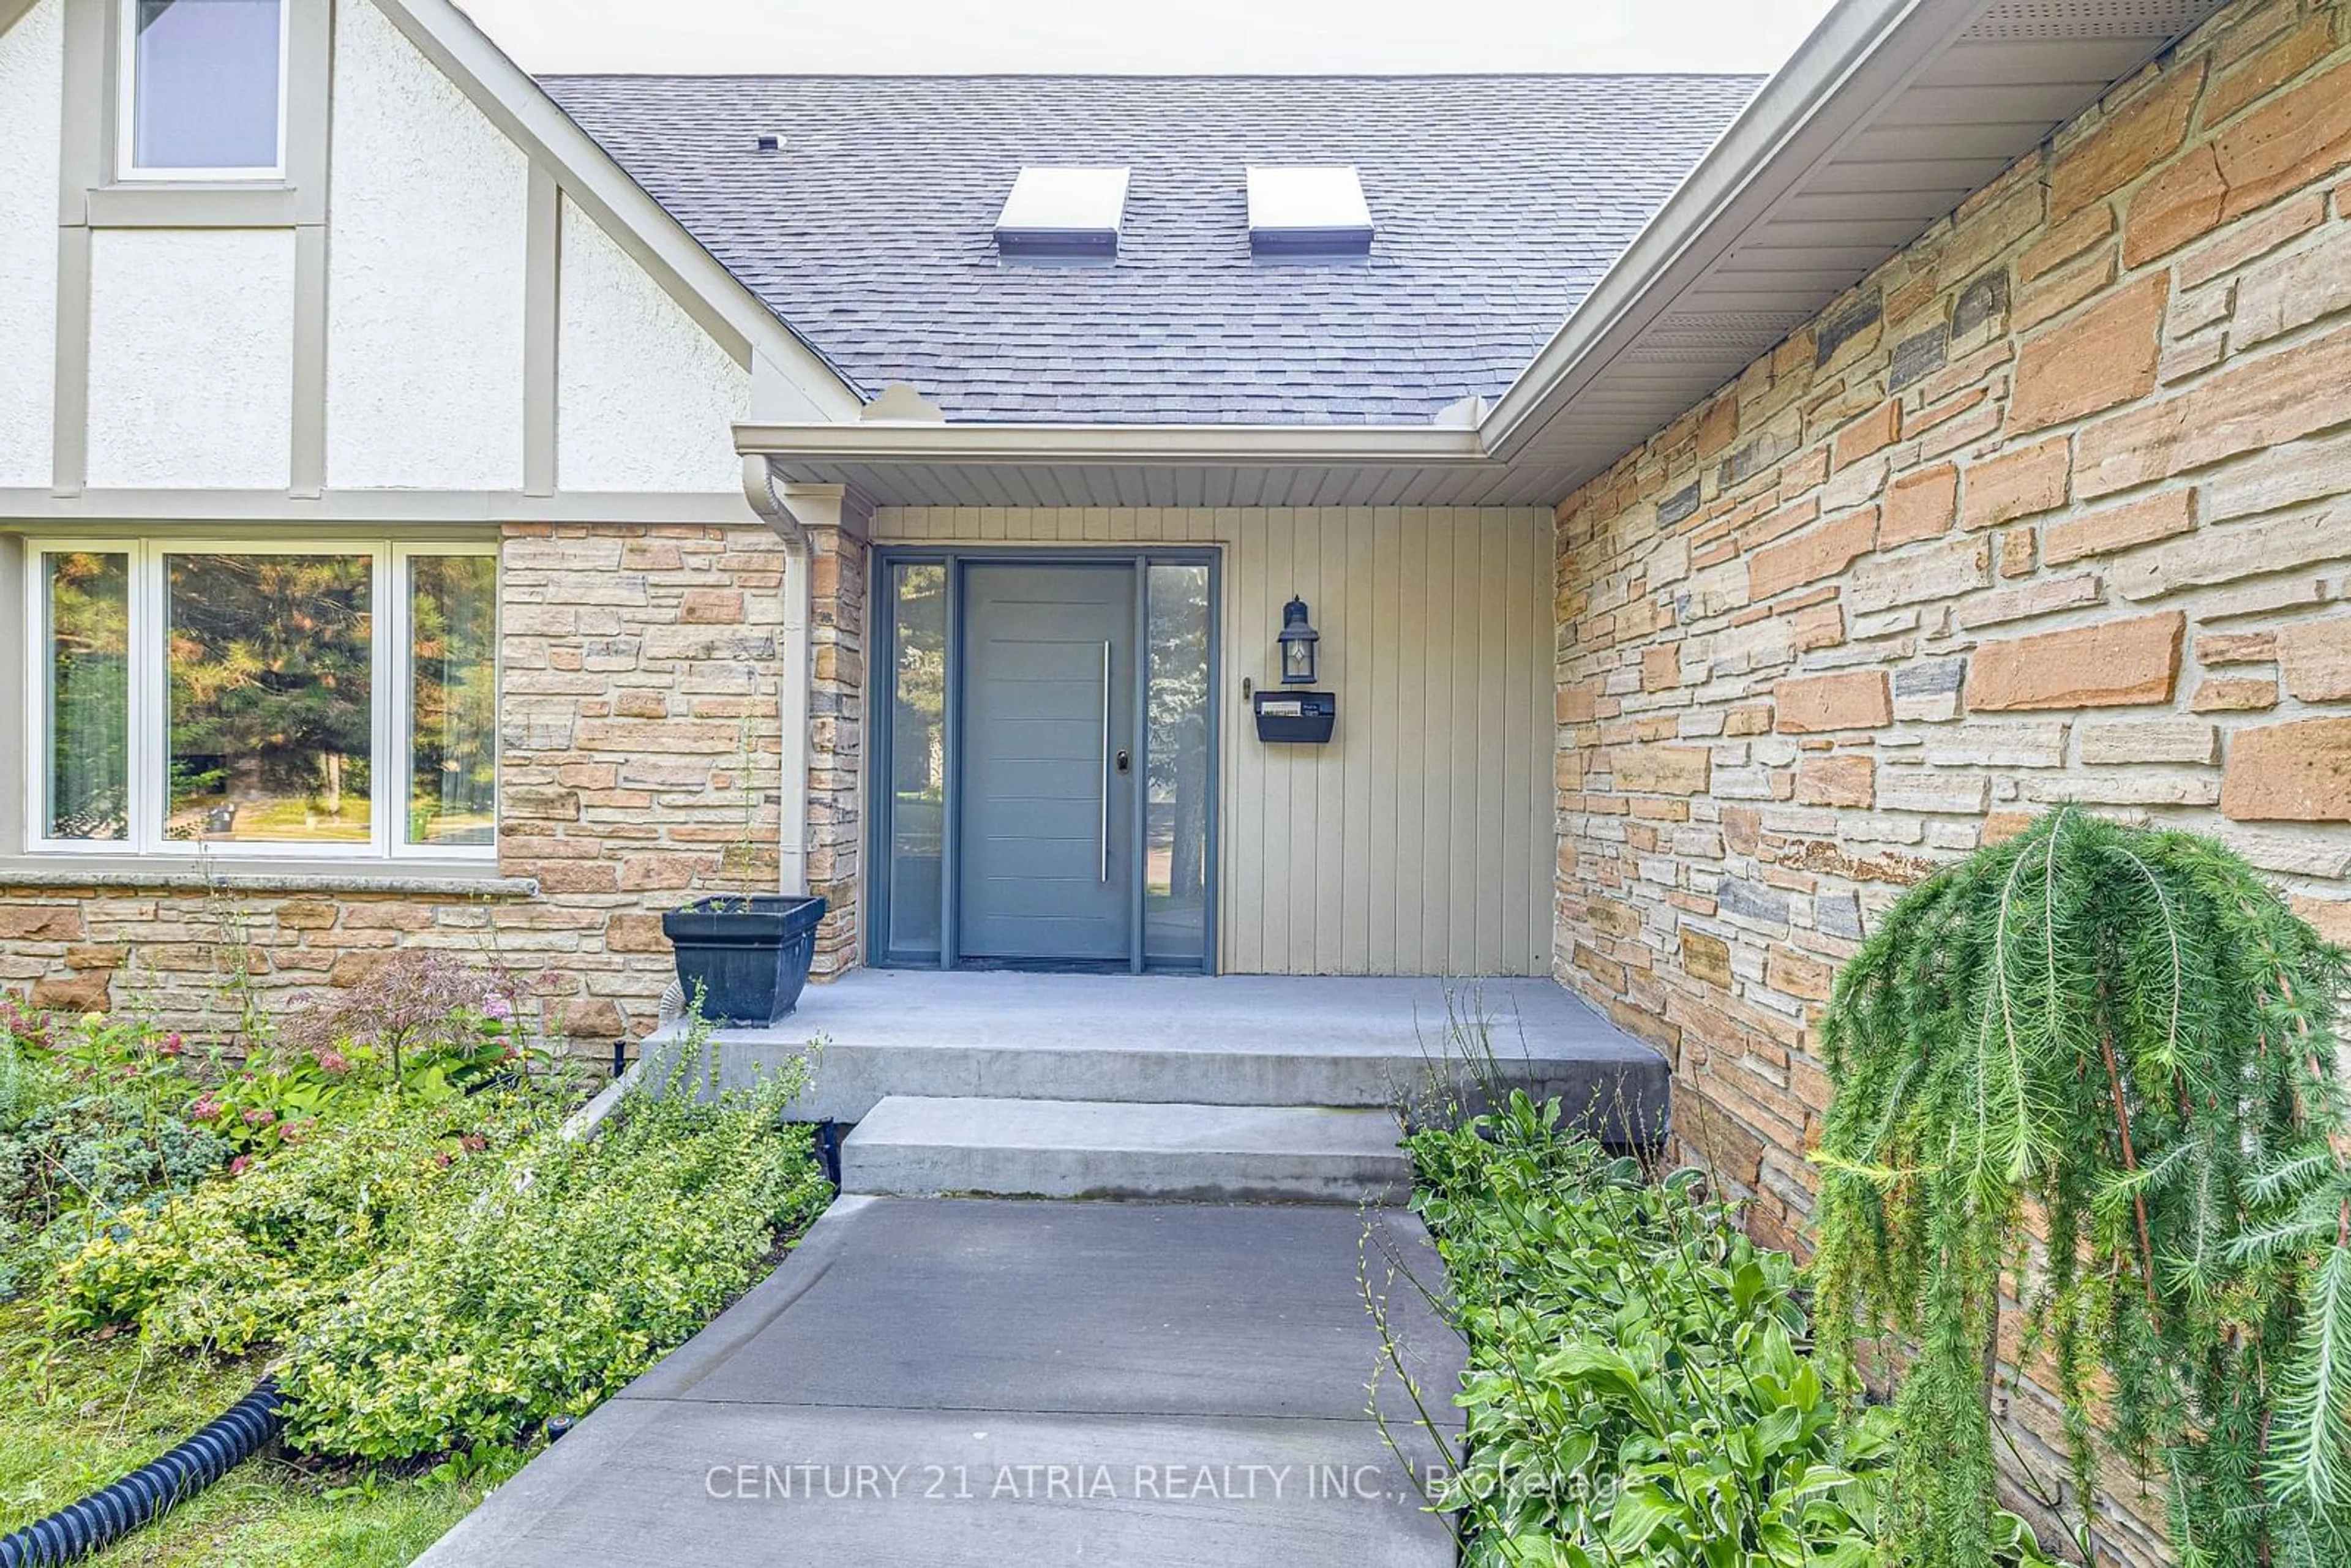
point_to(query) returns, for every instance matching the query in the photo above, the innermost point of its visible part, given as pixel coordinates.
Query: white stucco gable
(428, 221)
(453, 296)
(190, 359)
(31, 57)
(645, 400)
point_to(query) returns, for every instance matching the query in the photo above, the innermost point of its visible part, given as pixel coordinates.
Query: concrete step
(1236, 1040)
(926, 1146)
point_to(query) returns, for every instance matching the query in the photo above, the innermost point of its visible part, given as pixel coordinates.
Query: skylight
(1301, 210)
(1062, 214)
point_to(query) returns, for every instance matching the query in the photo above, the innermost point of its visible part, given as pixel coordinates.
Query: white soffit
(1063, 212)
(1885, 120)
(1316, 208)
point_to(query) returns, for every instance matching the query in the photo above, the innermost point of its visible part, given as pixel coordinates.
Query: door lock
(1125, 763)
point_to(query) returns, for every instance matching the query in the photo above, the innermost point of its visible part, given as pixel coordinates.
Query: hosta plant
(1639, 1394)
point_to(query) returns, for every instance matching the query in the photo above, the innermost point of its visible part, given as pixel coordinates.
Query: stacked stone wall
(840, 563)
(2054, 507)
(638, 754)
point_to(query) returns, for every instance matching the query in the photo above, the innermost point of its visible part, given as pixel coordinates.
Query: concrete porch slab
(987, 1382)
(1233, 1040)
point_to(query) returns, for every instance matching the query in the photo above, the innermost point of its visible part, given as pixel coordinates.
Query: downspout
(792, 686)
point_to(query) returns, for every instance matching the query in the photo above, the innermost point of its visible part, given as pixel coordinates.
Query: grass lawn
(79, 1413)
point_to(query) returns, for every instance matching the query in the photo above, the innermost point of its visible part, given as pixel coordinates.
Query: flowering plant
(22, 1024)
(433, 1024)
(261, 1109)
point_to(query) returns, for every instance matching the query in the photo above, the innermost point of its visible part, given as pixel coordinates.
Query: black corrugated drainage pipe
(155, 1489)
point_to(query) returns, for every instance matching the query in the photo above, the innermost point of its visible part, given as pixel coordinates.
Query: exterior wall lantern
(1296, 717)
(1297, 639)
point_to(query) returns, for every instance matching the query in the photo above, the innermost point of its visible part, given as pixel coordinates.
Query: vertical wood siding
(1420, 842)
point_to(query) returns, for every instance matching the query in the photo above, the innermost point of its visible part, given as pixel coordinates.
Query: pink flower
(473, 1143)
(260, 1116)
(236, 1166)
(205, 1108)
(172, 1045)
(332, 1061)
(497, 1007)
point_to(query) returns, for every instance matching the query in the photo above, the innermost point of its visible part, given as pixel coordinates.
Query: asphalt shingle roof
(1499, 201)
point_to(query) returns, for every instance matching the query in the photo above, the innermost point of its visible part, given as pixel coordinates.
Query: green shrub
(77, 1148)
(2123, 1044)
(1638, 1393)
(27, 1083)
(238, 1263)
(546, 1290)
(434, 1270)
(102, 1153)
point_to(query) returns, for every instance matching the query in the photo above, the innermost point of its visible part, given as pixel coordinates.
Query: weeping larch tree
(2095, 1066)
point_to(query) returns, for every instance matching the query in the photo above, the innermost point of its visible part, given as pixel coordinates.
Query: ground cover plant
(2095, 1069)
(555, 1281)
(384, 1211)
(1641, 1391)
(107, 1116)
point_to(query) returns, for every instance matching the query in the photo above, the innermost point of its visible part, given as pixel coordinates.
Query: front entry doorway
(1045, 779)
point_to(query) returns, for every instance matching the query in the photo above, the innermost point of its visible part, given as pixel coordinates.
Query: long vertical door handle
(1101, 838)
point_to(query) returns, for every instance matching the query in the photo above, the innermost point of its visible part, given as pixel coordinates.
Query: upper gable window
(204, 90)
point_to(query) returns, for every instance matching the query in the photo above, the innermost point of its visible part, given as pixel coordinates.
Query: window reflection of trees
(918, 762)
(453, 698)
(1176, 756)
(268, 659)
(90, 696)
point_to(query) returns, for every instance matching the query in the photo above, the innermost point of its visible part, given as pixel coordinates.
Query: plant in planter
(743, 957)
(2094, 1069)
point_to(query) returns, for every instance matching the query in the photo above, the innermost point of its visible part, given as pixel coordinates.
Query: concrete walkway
(987, 1381)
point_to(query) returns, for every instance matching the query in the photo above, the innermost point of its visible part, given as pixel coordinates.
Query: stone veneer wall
(638, 739)
(2050, 507)
(837, 570)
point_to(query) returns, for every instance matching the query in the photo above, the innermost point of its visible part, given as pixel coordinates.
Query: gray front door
(1047, 776)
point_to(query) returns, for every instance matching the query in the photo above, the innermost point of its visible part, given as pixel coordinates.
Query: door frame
(882, 698)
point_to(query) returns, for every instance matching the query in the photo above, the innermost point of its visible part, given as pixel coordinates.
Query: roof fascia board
(719, 304)
(1115, 445)
(103, 510)
(1862, 54)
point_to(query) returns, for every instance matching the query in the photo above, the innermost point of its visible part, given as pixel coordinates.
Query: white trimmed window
(203, 90)
(335, 701)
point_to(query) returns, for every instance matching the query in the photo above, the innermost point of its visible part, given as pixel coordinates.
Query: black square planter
(748, 953)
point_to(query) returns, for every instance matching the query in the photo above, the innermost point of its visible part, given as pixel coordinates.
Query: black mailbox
(1296, 716)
